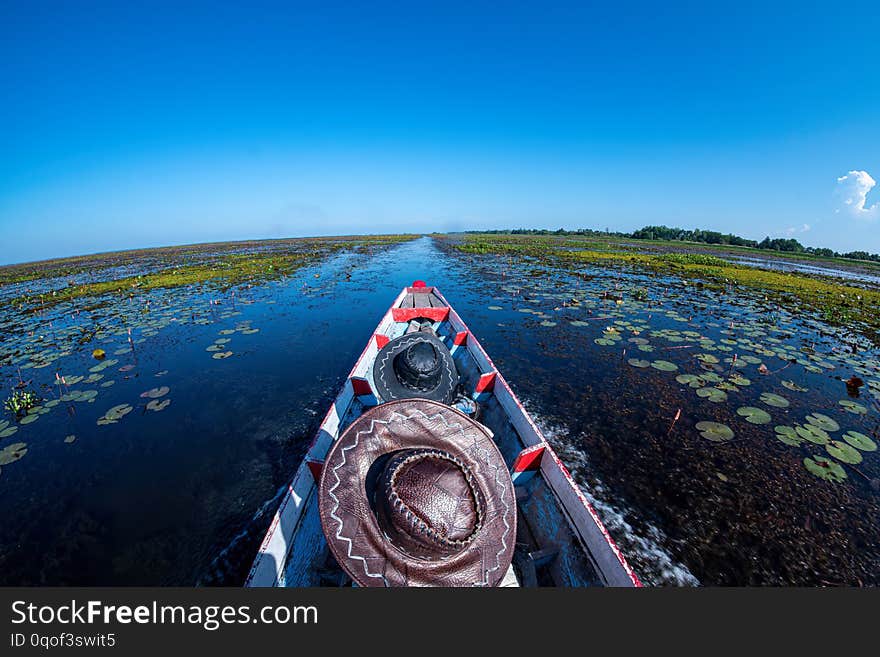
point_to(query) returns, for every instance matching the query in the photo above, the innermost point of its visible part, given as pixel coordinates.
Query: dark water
(183, 496)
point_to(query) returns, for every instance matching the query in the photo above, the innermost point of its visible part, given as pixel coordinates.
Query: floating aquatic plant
(706, 358)
(115, 414)
(221, 355)
(712, 394)
(6, 430)
(823, 422)
(852, 407)
(21, 401)
(155, 393)
(692, 380)
(813, 433)
(12, 453)
(715, 431)
(754, 415)
(636, 362)
(774, 400)
(856, 439)
(69, 439)
(664, 366)
(251, 331)
(87, 395)
(791, 385)
(157, 405)
(825, 468)
(843, 452)
(788, 435)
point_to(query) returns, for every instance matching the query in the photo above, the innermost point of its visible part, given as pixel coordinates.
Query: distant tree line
(785, 245)
(788, 245)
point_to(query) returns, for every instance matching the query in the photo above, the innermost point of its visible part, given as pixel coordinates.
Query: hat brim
(389, 387)
(350, 525)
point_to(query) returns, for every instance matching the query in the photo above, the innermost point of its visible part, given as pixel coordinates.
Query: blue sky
(125, 127)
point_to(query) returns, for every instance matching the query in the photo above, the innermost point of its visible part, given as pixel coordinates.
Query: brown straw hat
(415, 493)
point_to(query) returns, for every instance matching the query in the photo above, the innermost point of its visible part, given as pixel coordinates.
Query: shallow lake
(181, 493)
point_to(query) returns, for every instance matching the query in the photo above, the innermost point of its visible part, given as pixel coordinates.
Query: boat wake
(230, 556)
(643, 548)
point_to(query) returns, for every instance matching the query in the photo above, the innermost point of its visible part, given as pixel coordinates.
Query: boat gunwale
(614, 568)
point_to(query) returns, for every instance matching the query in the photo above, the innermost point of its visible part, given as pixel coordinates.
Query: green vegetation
(186, 266)
(21, 402)
(664, 235)
(835, 302)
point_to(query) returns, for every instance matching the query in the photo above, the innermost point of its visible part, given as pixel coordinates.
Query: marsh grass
(832, 301)
(176, 267)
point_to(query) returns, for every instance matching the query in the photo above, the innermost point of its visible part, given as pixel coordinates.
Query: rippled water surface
(182, 493)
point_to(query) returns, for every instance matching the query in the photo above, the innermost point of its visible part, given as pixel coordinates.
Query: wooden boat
(560, 539)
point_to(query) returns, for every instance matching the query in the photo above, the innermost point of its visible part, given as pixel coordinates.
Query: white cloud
(852, 191)
(794, 230)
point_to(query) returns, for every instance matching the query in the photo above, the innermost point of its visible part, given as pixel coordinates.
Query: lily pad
(854, 438)
(12, 453)
(813, 433)
(692, 380)
(251, 331)
(8, 431)
(69, 439)
(116, 413)
(636, 362)
(715, 431)
(791, 385)
(664, 366)
(157, 405)
(706, 358)
(221, 355)
(788, 435)
(823, 422)
(222, 340)
(774, 400)
(712, 394)
(27, 419)
(754, 415)
(852, 407)
(843, 452)
(825, 468)
(155, 393)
